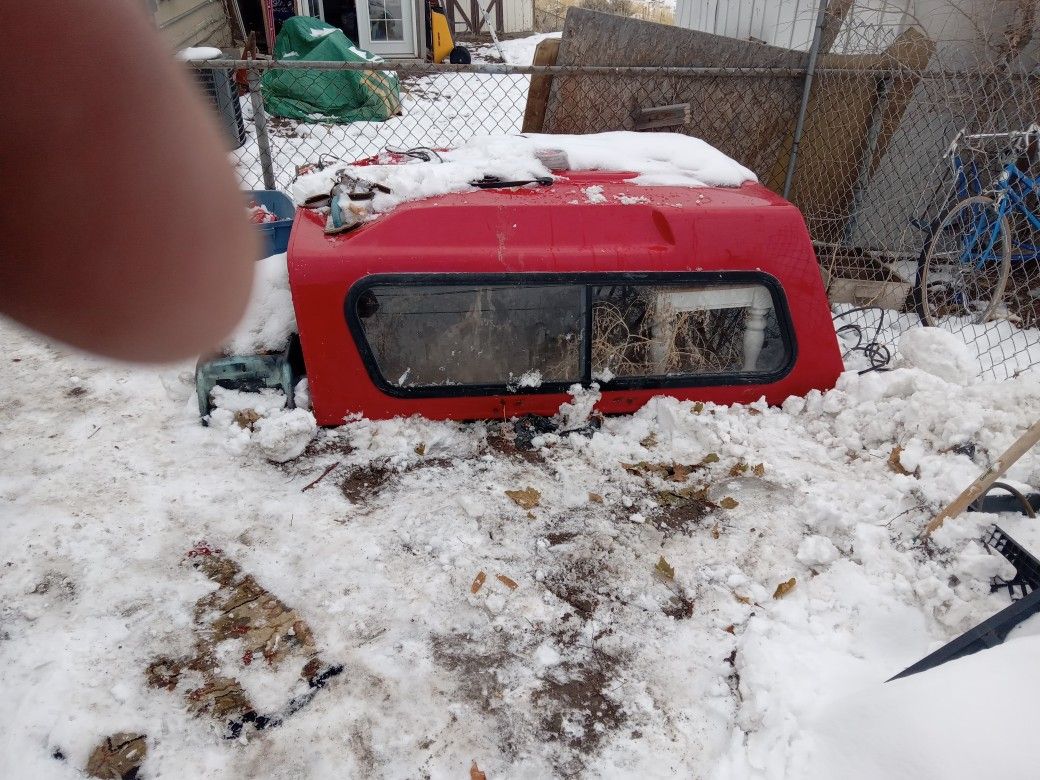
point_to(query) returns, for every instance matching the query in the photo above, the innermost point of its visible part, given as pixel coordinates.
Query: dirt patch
(576, 708)
(577, 582)
(679, 606)
(506, 445)
(327, 445)
(476, 665)
(560, 537)
(364, 482)
(286, 128)
(681, 516)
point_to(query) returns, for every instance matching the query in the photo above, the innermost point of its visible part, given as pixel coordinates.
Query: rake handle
(977, 488)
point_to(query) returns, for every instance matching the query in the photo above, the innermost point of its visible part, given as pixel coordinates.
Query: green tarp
(327, 95)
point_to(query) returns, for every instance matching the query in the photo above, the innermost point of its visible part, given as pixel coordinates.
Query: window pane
(644, 330)
(386, 17)
(466, 335)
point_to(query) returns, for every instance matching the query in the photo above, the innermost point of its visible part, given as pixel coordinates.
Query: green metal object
(248, 373)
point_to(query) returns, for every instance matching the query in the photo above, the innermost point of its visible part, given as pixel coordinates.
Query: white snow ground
(596, 665)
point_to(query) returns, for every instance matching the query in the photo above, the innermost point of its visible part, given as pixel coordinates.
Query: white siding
(517, 15)
(870, 25)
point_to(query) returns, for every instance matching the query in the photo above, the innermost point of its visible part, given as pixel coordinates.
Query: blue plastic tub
(275, 235)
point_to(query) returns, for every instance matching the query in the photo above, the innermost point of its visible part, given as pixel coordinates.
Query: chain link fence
(857, 138)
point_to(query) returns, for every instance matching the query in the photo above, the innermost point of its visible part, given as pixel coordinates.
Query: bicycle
(966, 262)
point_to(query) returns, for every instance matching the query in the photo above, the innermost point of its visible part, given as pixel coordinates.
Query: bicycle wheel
(966, 263)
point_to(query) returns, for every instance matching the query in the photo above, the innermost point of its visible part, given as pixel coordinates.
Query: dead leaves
(481, 578)
(684, 497)
(895, 463)
(525, 499)
(729, 503)
(595, 498)
(671, 472)
(475, 773)
(784, 588)
(509, 582)
(664, 570)
(246, 417)
(119, 755)
(742, 467)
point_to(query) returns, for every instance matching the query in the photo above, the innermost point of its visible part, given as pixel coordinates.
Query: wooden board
(538, 93)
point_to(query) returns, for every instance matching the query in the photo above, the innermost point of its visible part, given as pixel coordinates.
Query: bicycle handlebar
(1021, 138)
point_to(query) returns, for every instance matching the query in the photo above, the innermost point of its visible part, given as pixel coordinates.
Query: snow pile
(997, 349)
(659, 159)
(891, 730)
(270, 319)
(578, 410)
(499, 605)
(198, 53)
(261, 420)
(938, 352)
(284, 436)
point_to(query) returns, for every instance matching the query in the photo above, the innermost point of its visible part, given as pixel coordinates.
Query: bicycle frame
(1012, 189)
(1009, 192)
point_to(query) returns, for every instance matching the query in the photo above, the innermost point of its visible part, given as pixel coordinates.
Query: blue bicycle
(966, 263)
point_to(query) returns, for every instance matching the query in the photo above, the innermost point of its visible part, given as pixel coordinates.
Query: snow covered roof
(655, 159)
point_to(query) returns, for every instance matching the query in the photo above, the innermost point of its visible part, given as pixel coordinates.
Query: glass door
(387, 27)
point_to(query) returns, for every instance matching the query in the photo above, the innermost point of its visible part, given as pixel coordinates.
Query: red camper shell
(493, 303)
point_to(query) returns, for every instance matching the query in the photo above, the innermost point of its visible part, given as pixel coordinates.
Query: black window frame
(587, 281)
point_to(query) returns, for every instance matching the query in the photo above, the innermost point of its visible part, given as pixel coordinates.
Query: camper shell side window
(439, 335)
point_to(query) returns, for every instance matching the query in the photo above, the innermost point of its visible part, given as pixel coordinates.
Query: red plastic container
(490, 304)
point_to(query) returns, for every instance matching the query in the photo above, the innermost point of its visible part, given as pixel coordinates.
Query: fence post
(263, 141)
(814, 52)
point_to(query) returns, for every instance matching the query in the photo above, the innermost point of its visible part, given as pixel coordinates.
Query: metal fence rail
(870, 144)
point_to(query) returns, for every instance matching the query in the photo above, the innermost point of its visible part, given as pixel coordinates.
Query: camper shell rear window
(440, 335)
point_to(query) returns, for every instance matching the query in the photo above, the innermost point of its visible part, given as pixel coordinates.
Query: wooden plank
(496, 5)
(655, 117)
(762, 107)
(538, 93)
